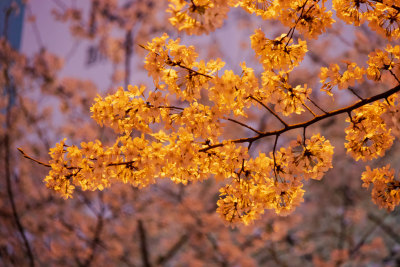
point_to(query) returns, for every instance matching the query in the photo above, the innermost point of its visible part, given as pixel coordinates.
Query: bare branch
(35, 160)
(316, 105)
(143, 244)
(312, 112)
(351, 89)
(388, 230)
(7, 164)
(173, 250)
(96, 240)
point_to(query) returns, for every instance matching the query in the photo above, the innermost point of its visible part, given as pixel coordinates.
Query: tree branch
(388, 230)
(96, 239)
(128, 55)
(316, 119)
(143, 244)
(351, 89)
(173, 250)
(10, 90)
(35, 160)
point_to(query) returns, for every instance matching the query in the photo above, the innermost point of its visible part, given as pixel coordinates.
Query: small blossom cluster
(274, 182)
(391, 116)
(382, 60)
(198, 16)
(310, 18)
(352, 74)
(386, 189)
(367, 135)
(378, 62)
(173, 67)
(382, 16)
(286, 98)
(280, 53)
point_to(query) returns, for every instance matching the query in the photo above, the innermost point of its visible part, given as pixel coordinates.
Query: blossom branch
(316, 119)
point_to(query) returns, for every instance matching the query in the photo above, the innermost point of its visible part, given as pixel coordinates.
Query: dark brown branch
(273, 155)
(388, 230)
(179, 64)
(309, 110)
(143, 244)
(275, 257)
(173, 250)
(364, 238)
(128, 55)
(96, 240)
(151, 106)
(121, 163)
(35, 160)
(351, 89)
(270, 110)
(223, 261)
(73, 168)
(394, 75)
(316, 105)
(7, 164)
(244, 125)
(292, 29)
(312, 121)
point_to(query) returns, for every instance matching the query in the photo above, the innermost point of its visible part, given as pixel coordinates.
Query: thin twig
(273, 154)
(35, 160)
(309, 110)
(270, 110)
(316, 105)
(351, 89)
(161, 261)
(388, 230)
(394, 75)
(128, 56)
(244, 125)
(364, 238)
(36, 31)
